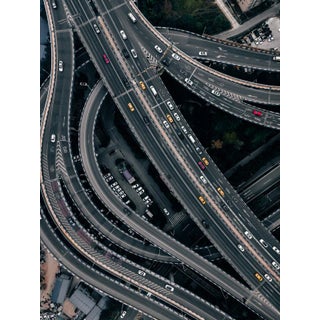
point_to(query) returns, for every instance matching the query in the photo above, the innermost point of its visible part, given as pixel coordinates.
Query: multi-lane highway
(227, 216)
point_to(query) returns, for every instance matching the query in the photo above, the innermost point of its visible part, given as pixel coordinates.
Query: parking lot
(274, 25)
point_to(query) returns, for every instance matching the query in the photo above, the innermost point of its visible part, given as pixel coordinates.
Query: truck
(128, 176)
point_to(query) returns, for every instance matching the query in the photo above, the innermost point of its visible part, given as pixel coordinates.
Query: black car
(205, 224)
(166, 62)
(125, 53)
(146, 120)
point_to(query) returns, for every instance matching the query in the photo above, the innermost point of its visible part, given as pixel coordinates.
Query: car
(146, 120)
(60, 65)
(158, 48)
(106, 60)
(169, 118)
(258, 276)
(125, 53)
(184, 129)
(177, 116)
(166, 62)
(131, 107)
(142, 273)
(241, 248)
(257, 113)
(203, 179)
(71, 221)
(135, 185)
(126, 83)
(140, 188)
(53, 138)
(201, 198)
(275, 265)
(140, 192)
(166, 211)
(123, 196)
(168, 287)
(166, 124)
(216, 92)
(114, 184)
(134, 54)
(149, 294)
(123, 314)
(96, 28)
(188, 81)
(268, 277)
(248, 234)
(170, 105)
(221, 192)
(123, 35)
(145, 198)
(276, 250)
(199, 151)
(201, 165)
(263, 243)
(142, 85)
(205, 224)
(203, 53)
(175, 56)
(205, 161)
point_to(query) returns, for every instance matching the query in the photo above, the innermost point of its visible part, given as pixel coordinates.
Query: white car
(95, 27)
(170, 105)
(275, 265)
(149, 294)
(241, 248)
(158, 48)
(176, 116)
(142, 273)
(140, 192)
(217, 93)
(248, 234)
(203, 53)
(60, 65)
(203, 179)
(134, 54)
(276, 250)
(123, 35)
(175, 56)
(263, 243)
(123, 314)
(166, 124)
(166, 211)
(268, 277)
(188, 81)
(168, 287)
(53, 138)
(135, 186)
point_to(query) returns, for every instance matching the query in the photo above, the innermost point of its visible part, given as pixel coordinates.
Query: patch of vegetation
(193, 15)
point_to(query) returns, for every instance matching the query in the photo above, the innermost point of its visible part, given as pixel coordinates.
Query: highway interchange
(175, 159)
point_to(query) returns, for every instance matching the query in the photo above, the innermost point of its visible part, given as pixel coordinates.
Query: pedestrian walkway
(228, 14)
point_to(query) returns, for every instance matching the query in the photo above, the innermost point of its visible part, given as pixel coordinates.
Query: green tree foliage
(192, 15)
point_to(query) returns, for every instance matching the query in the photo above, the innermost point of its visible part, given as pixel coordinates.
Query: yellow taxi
(142, 85)
(221, 192)
(205, 161)
(201, 198)
(131, 107)
(258, 276)
(169, 118)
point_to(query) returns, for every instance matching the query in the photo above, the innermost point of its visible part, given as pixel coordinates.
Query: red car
(257, 113)
(106, 58)
(201, 165)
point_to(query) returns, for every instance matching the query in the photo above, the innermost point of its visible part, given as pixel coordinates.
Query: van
(191, 138)
(132, 17)
(152, 88)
